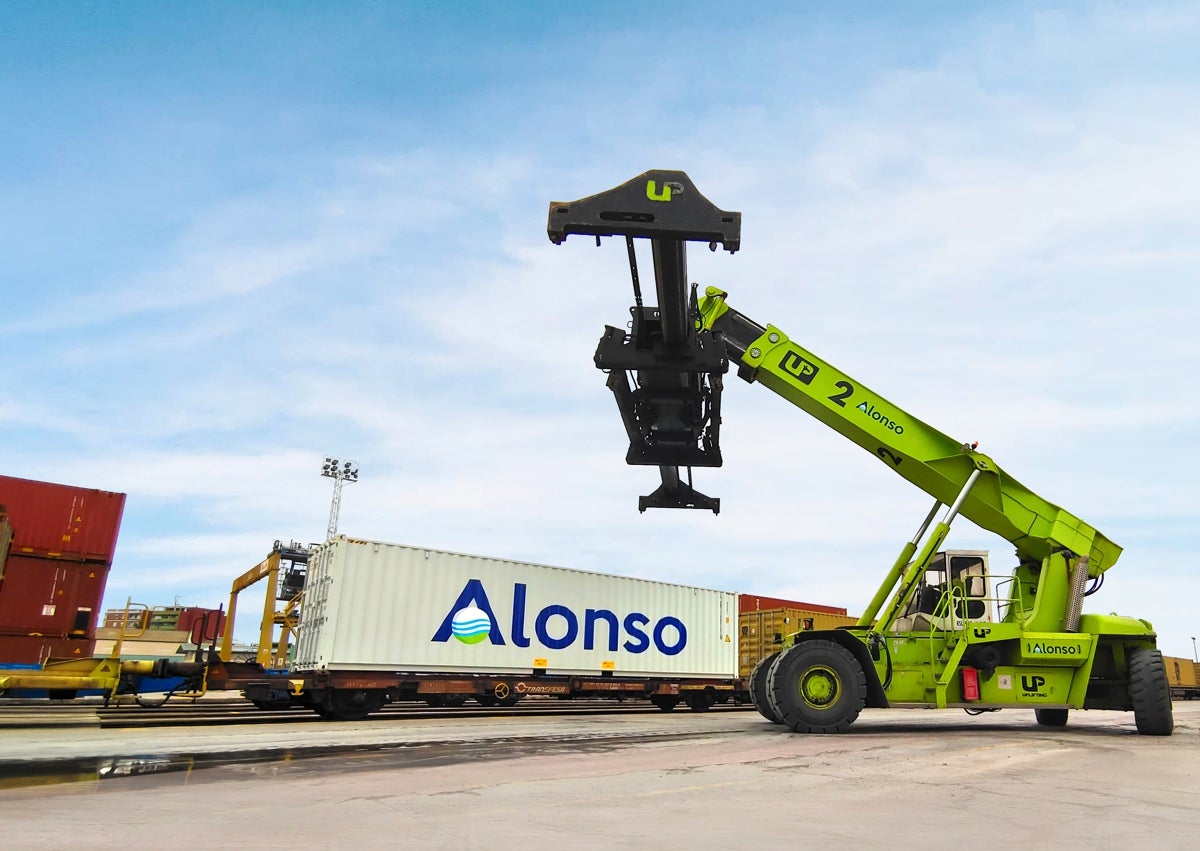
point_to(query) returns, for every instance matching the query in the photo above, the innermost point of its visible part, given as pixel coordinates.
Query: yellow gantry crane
(286, 560)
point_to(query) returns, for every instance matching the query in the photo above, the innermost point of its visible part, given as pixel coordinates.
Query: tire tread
(1150, 693)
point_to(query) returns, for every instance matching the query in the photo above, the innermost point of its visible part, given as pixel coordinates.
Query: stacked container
(762, 632)
(1182, 673)
(759, 603)
(52, 581)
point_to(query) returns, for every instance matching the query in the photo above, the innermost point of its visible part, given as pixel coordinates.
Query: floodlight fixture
(341, 472)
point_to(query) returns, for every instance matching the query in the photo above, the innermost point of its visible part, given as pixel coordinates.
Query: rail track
(182, 712)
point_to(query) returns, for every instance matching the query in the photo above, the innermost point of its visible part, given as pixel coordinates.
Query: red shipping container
(191, 616)
(61, 520)
(33, 649)
(755, 603)
(51, 596)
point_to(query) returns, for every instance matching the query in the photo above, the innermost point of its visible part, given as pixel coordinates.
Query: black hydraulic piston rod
(670, 277)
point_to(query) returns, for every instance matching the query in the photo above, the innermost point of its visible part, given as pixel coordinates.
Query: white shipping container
(371, 606)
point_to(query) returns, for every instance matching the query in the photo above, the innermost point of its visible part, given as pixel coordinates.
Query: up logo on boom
(795, 365)
(669, 188)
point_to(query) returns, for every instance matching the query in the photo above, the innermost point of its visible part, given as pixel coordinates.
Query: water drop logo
(471, 625)
(471, 619)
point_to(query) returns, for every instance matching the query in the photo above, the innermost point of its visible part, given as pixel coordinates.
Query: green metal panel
(1115, 625)
(1027, 685)
(1055, 648)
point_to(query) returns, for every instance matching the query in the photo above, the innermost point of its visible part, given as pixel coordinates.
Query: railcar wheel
(1049, 717)
(352, 704)
(699, 701)
(758, 689)
(272, 705)
(505, 696)
(817, 687)
(1150, 693)
(665, 702)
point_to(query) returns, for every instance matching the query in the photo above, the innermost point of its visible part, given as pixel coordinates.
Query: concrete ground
(904, 779)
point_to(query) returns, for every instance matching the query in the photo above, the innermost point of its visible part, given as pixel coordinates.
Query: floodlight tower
(342, 472)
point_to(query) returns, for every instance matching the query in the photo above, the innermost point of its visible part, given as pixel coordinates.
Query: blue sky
(239, 237)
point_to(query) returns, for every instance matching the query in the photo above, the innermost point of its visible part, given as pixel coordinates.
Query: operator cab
(954, 589)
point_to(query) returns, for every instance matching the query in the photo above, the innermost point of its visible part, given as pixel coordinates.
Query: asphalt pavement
(902, 778)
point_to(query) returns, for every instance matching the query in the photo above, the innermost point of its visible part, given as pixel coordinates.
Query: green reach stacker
(941, 631)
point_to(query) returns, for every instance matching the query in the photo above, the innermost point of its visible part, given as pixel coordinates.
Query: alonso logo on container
(471, 619)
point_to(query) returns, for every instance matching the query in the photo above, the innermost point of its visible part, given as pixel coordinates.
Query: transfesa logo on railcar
(471, 620)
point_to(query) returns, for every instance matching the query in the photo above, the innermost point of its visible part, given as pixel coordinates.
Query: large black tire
(1150, 693)
(1050, 717)
(758, 689)
(817, 687)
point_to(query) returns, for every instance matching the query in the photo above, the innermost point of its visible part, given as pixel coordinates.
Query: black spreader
(657, 204)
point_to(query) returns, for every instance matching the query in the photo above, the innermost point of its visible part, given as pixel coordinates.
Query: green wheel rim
(820, 687)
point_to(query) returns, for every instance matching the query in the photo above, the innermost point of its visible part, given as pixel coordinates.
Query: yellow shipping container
(761, 633)
(1181, 673)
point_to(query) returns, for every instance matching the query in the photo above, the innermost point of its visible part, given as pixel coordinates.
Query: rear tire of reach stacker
(758, 689)
(817, 687)
(1150, 693)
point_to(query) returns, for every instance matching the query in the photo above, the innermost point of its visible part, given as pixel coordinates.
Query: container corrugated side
(50, 596)
(761, 633)
(61, 520)
(35, 649)
(1181, 673)
(757, 602)
(377, 606)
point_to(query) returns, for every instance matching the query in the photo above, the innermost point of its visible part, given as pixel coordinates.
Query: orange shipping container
(761, 633)
(1181, 673)
(757, 603)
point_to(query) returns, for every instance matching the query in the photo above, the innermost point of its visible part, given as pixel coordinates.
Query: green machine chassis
(940, 631)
